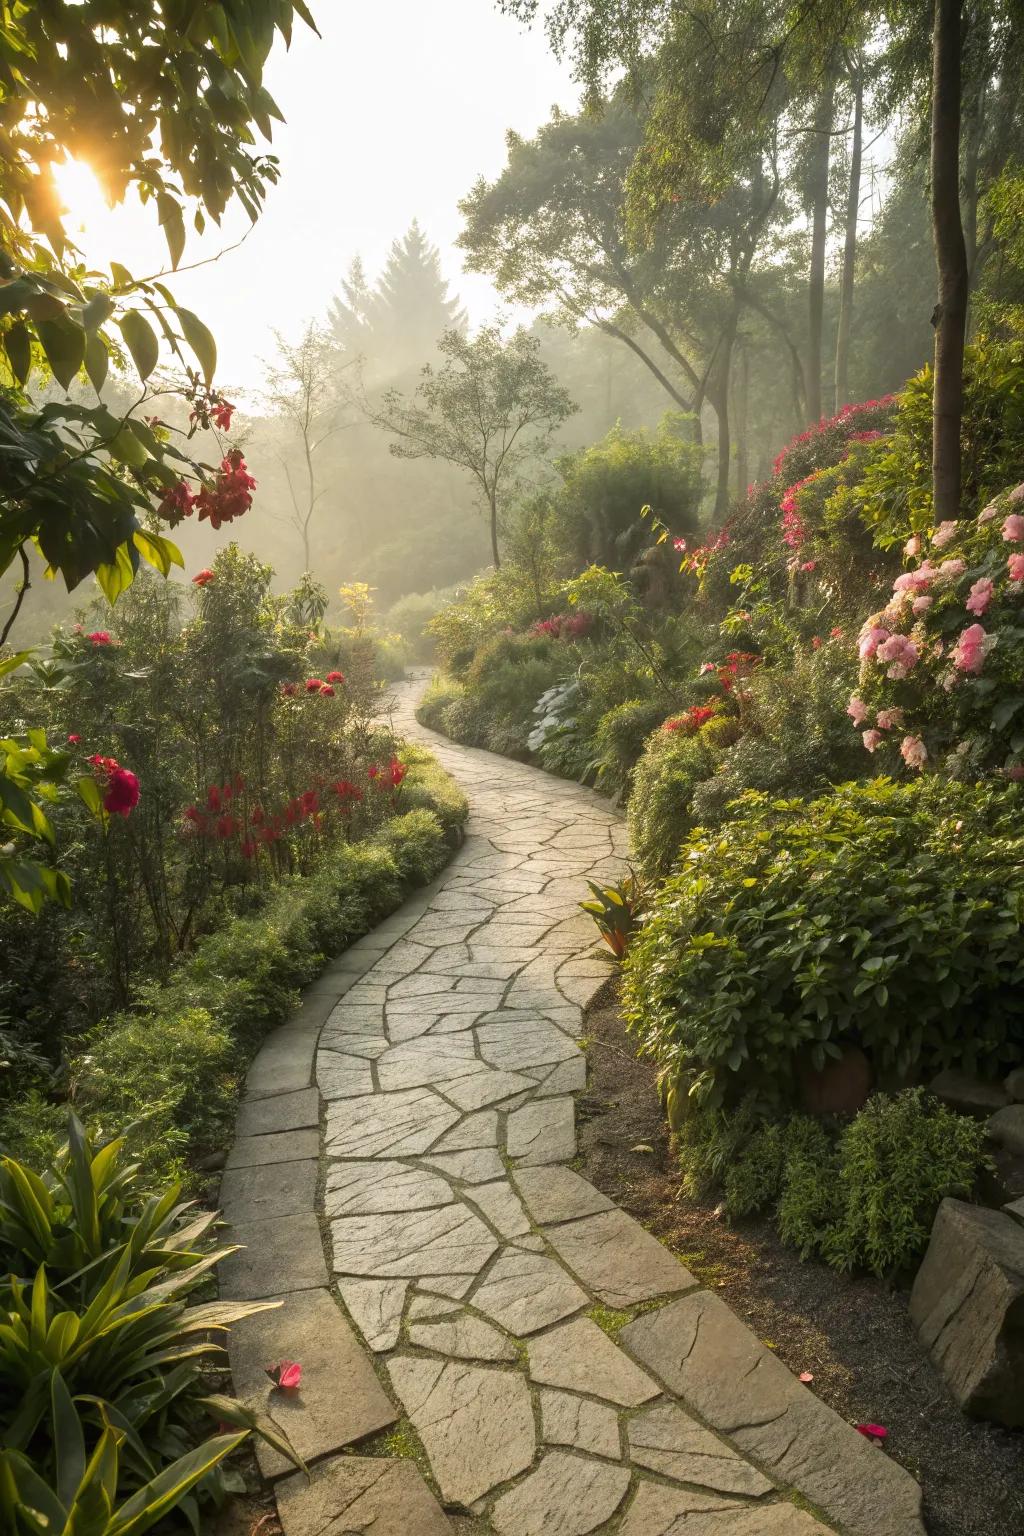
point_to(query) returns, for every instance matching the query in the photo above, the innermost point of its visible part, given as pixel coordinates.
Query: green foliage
(105, 1396)
(661, 802)
(494, 707)
(615, 909)
(861, 1196)
(411, 615)
(883, 915)
(620, 736)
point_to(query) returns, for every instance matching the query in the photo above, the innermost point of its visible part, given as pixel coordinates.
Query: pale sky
(391, 115)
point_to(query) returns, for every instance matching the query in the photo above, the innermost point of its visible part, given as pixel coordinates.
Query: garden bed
(852, 1333)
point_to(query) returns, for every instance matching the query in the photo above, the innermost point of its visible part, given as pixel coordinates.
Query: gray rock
(1014, 1084)
(280, 1252)
(462, 1337)
(475, 1422)
(373, 1188)
(285, 1147)
(317, 1418)
(664, 1439)
(969, 1095)
(542, 1132)
(1015, 1209)
(500, 1205)
(617, 1260)
(282, 1189)
(705, 1355)
(387, 1124)
(578, 1357)
(968, 1306)
(360, 1496)
(558, 1194)
(564, 1496)
(1006, 1129)
(527, 1291)
(446, 1241)
(283, 1112)
(284, 1063)
(376, 1308)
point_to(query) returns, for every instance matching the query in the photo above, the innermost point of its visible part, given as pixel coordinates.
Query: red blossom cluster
(119, 785)
(794, 532)
(229, 497)
(390, 777)
(564, 626)
(203, 578)
(690, 722)
(838, 424)
(213, 411)
(736, 666)
(695, 560)
(100, 637)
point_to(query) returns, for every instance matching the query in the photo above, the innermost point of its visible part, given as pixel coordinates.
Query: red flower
(231, 493)
(288, 689)
(309, 802)
(203, 578)
(221, 415)
(73, 740)
(177, 503)
(345, 790)
(396, 773)
(314, 684)
(227, 826)
(257, 816)
(100, 637)
(335, 677)
(120, 785)
(327, 691)
(816, 643)
(286, 1374)
(249, 849)
(213, 798)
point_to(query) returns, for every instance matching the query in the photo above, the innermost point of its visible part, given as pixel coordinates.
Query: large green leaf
(18, 346)
(64, 345)
(200, 339)
(163, 1492)
(141, 341)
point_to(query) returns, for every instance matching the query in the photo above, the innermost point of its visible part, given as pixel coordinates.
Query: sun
(85, 207)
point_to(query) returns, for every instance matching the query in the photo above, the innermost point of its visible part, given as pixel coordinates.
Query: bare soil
(852, 1332)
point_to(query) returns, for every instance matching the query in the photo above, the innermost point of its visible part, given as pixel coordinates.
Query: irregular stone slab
(475, 1422)
(284, 1063)
(486, 1087)
(282, 1189)
(343, 1077)
(666, 1440)
(479, 1130)
(1006, 1128)
(387, 1125)
(968, 1095)
(376, 1308)
(705, 1355)
(282, 1112)
(515, 1044)
(360, 1496)
(578, 1357)
(283, 1147)
(463, 1336)
(424, 1305)
(373, 1188)
(617, 1260)
(527, 1291)
(568, 1077)
(968, 1306)
(369, 1047)
(558, 1194)
(542, 1132)
(500, 1204)
(475, 1167)
(448, 1241)
(426, 1060)
(575, 1421)
(284, 1250)
(1016, 1210)
(565, 1496)
(316, 1417)
(660, 1511)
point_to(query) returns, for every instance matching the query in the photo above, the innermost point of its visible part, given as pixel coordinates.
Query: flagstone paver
(476, 1266)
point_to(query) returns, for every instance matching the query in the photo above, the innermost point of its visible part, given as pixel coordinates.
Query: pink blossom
(679, 545)
(944, 533)
(872, 739)
(889, 718)
(871, 637)
(980, 596)
(899, 654)
(1016, 496)
(949, 570)
(708, 666)
(969, 651)
(988, 513)
(921, 605)
(913, 751)
(1013, 528)
(915, 581)
(809, 565)
(857, 710)
(1015, 566)
(912, 548)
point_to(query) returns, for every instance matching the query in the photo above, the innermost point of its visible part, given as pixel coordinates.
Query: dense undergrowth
(813, 716)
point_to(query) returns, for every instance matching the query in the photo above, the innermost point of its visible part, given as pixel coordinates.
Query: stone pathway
(562, 1371)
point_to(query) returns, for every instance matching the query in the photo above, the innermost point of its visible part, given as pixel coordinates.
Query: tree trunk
(742, 400)
(950, 316)
(850, 248)
(495, 555)
(718, 397)
(818, 190)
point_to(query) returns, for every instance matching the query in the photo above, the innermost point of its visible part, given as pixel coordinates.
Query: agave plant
(615, 909)
(103, 1363)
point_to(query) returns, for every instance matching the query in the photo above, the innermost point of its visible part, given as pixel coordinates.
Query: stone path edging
(562, 1370)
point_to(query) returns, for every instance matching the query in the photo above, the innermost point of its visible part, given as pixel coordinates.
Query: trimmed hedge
(175, 1064)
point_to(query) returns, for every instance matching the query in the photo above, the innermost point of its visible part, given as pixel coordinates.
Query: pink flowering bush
(942, 665)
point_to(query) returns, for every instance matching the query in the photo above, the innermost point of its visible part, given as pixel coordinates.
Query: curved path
(562, 1371)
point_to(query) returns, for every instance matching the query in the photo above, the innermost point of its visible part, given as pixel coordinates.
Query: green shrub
(861, 1197)
(428, 787)
(620, 738)
(661, 804)
(106, 1415)
(885, 916)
